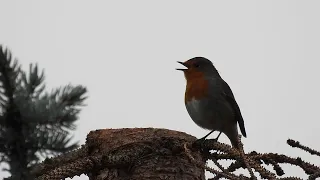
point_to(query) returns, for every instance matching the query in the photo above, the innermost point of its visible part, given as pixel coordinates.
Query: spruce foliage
(34, 123)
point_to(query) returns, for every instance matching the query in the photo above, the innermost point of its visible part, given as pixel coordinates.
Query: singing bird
(210, 101)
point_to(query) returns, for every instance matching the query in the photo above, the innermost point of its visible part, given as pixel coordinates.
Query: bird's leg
(207, 135)
(216, 139)
(201, 140)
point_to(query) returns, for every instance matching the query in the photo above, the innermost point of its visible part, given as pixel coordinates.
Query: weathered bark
(163, 163)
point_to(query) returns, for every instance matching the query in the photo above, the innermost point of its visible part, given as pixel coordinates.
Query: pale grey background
(126, 53)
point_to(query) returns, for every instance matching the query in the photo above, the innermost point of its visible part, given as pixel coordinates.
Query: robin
(210, 101)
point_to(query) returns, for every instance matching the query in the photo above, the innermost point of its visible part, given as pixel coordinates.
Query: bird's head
(198, 67)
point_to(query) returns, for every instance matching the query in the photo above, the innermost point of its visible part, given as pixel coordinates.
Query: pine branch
(33, 84)
(62, 106)
(33, 121)
(16, 149)
(9, 72)
(2, 145)
(297, 144)
(59, 143)
(72, 96)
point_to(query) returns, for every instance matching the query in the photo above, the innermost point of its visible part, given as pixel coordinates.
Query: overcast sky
(126, 53)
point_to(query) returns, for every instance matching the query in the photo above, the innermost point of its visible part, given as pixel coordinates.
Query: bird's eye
(196, 65)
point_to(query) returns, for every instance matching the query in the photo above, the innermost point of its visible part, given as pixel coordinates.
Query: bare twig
(297, 144)
(246, 161)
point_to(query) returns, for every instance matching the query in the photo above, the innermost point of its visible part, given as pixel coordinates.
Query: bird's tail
(235, 143)
(232, 134)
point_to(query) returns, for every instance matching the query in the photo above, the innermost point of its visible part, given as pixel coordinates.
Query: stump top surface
(108, 139)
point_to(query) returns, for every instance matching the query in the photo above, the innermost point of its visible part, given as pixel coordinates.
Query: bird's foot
(215, 139)
(199, 143)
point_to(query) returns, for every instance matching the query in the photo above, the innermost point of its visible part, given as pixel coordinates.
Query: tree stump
(143, 154)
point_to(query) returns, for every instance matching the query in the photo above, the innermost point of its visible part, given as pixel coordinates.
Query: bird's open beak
(183, 65)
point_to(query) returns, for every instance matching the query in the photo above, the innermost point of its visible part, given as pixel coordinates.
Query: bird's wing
(227, 92)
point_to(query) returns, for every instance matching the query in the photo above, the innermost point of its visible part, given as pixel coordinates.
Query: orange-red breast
(210, 101)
